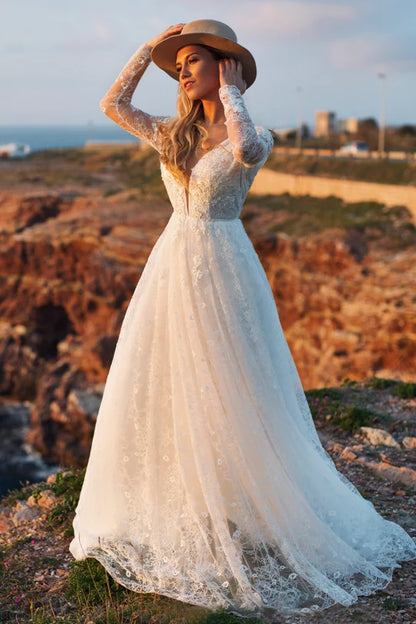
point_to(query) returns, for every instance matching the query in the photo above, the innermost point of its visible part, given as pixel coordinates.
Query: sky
(57, 59)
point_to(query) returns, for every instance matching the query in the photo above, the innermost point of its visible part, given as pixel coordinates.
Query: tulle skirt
(206, 480)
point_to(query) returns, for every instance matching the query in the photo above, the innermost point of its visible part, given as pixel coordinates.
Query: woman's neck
(213, 112)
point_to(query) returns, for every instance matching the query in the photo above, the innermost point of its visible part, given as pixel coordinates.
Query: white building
(325, 123)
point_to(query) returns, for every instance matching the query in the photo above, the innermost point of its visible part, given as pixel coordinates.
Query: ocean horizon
(62, 136)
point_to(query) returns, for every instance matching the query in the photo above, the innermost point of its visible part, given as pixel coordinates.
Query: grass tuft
(378, 383)
(90, 584)
(405, 390)
(328, 405)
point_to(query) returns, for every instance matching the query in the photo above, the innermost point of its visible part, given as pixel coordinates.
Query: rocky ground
(76, 228)
(39, 583)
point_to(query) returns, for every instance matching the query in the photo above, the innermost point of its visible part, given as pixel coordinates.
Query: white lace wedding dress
(206, 480)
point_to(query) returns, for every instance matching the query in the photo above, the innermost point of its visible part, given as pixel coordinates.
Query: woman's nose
(185, 73)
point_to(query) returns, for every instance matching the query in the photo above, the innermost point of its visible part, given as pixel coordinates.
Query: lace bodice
(221, 179)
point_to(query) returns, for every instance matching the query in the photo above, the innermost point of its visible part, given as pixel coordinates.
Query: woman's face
(198, 72)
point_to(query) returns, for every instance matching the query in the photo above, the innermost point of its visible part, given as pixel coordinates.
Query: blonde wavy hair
(182, 134)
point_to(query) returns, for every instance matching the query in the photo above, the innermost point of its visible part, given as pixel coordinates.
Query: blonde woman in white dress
(206, 480)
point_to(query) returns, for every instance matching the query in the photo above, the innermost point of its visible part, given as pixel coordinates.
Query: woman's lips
(188, 84)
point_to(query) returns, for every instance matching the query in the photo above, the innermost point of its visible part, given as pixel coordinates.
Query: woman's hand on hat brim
(231, 73)
(169, 32)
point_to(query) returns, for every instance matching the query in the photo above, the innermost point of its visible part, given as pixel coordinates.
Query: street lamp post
(299, 118)
(382, 124)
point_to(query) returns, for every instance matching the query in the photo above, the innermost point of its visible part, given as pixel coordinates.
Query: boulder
(409, 443)
(25, 513)
(6, 519)
(46, 500)
(396, 474)
(377, 437)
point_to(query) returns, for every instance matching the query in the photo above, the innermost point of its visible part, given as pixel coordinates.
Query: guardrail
(336, 153)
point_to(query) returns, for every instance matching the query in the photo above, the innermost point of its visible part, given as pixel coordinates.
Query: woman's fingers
(169, 32)
(231, 73)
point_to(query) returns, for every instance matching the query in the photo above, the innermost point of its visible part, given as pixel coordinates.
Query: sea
(19, 464)
(54, 137)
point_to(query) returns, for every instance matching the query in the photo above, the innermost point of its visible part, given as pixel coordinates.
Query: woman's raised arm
(251, 146)
(116, 103)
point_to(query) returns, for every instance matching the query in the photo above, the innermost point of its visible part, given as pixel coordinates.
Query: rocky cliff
(75, 233)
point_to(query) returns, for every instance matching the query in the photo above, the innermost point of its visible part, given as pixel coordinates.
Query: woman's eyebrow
(186, 57)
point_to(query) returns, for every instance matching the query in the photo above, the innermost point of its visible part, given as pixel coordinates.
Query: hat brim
(164, 53)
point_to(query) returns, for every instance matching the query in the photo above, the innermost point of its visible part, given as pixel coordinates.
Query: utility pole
(382, 123)
(299, 118)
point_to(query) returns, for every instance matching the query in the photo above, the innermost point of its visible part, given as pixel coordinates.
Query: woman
(206, 480)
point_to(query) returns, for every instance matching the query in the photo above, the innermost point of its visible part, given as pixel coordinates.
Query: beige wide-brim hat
(205, 32)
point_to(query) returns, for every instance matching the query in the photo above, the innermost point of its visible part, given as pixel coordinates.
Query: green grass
(366, 221)
(401, 389)
(378, 383)
(382, 172)
(328, 405)
(405, 390)
(394, 604)
(95, 593)
(88, 583)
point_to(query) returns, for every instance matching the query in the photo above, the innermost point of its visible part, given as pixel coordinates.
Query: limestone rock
(334, 447)
(46, 500)
(24, 513)
(63, 417)
(379, 437)
(397, 474)
(409, 443)
(31, 501)
(6, 521)
(348, 454)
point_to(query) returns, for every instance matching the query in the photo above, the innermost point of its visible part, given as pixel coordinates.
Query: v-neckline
(186, 188)
(204, 156)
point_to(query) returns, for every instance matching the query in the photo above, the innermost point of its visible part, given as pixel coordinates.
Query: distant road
(329, 153)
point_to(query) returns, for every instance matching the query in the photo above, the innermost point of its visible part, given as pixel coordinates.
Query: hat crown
(213, 27)
(209, 33)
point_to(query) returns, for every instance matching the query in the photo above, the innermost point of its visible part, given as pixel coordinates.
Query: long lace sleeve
(116, 103)
(251, 146)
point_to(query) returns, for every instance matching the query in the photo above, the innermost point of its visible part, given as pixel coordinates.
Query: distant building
(325, 123)
(349, 125)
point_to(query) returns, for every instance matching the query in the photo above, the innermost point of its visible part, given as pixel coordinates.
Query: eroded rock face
(64, 415)
(65, 284)
(69, 264)
(342, 318)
